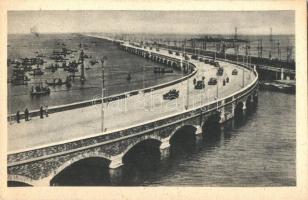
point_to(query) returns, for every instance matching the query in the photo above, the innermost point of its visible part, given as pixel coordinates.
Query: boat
(40, 90)
(129, 77)
(37, 72)
(278, 86)
(162, 70)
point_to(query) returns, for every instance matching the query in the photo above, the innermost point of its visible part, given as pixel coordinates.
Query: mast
(271, 44)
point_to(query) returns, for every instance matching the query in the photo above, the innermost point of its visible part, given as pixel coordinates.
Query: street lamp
(103, 89)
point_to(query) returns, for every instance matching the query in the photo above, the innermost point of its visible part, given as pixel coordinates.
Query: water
(117, 66)
(257, 151)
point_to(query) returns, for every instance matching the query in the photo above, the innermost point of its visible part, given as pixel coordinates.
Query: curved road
(84, 122)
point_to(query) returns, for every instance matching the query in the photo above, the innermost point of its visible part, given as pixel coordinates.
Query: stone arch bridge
(37, 167)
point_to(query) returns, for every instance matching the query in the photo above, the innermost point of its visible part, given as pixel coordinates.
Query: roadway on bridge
(83, 122)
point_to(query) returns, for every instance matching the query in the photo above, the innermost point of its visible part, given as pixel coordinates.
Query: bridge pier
(116, 169)
(116, 175)
(116, 161)
(282, 74)
(164, 150)
(222, 113)
(198, 134)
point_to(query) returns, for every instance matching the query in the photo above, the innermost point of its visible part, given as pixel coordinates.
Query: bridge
(39, 150)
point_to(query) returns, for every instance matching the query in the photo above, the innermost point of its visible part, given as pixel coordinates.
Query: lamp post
(103, 88)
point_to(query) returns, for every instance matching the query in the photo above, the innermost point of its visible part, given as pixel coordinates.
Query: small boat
(162, 70)
(129, 77)
(37, 72)
(279, 87)
(40, 90)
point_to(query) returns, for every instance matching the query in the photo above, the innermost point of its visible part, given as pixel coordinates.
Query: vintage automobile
(195, 57)
(234, 72)
(199, 85)
(216, 64)
(206, 61)
(186, 57)
(177, 53)
(170, 52)
(220, 71)
(211, 62)
(201, 59)
(172, 94)
(212, 81)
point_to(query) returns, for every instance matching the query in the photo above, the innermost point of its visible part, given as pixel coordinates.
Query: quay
(40, 149)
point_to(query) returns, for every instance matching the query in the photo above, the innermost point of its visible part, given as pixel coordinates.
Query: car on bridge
(172, 94)
(201, 59)
(199, 85)
(206, 61)
(195, 57)
(177, 53)
(186, 57)
(211, 62)
(220, 71)
(216, 64)
(170, 52)
(234, 72)
(212, 81)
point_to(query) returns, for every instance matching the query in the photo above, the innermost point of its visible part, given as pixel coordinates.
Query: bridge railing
(52, 150)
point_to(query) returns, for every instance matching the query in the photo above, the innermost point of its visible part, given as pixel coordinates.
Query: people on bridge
(46, 110)
(26, 114)
(41, 112)
(17, 116)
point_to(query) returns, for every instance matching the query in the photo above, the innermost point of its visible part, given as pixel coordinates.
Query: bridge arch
(20, 180)
(183, 139)
(212, 124)
(143, 154)
(68, 169)
(129, 147)
(249, 103)
(169, 63)
(78, 158)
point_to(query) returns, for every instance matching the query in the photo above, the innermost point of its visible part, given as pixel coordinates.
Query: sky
(174, 22)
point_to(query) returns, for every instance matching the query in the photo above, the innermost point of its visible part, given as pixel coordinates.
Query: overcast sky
(195, 22)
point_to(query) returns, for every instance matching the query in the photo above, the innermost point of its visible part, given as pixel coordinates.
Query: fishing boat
(40, 90)
(162, 70)
(129, 77)
(37, 72)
